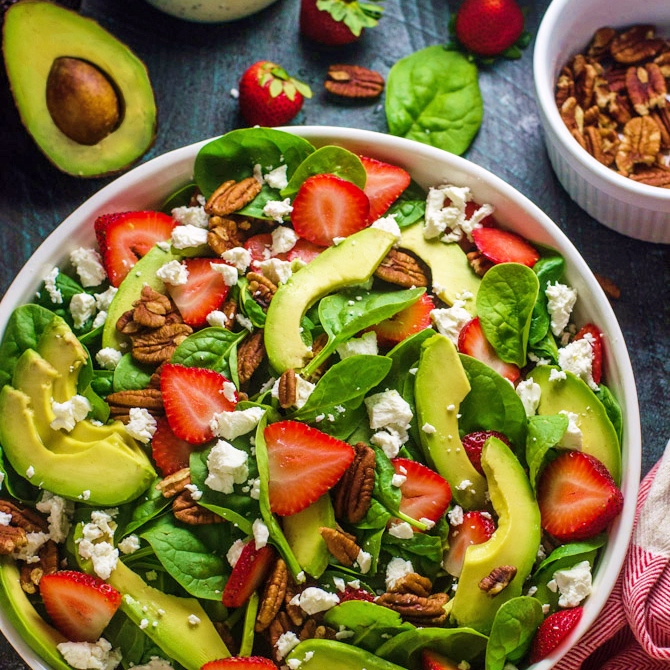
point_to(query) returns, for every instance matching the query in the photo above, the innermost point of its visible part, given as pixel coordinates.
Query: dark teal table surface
(193, 68)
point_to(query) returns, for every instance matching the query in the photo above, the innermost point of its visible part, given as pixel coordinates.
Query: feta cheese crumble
(396, 569)
(313, 600)
(173, 272)
(188, 236)
(108, 358)
(230, 425)
(560, 301)
(366, 345)
(90, 655)
(226, 466)
(529, 393)
(239, 257)
(449, 321)
(278, 209)
(577, 357)
(69, 413)
(228, 273)
(191, 216)
(82, 308)
(142, 425)
(88, 265)
(283, 239)
(573, 584)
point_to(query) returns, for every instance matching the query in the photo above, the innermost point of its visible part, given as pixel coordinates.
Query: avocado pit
(82, 101)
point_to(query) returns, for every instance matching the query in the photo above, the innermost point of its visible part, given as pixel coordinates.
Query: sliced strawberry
(474, 442)
(476, 528)
(304, 463)
(259, 246)
(304, 251)
(471, 207)
(240, 663)
(204, 291)
(249, 573)
(595, 337)
(501, 246)
(577, 497)
(125, 237)
(327, 207)
(425, 494)
(552, 631)
(350, 593)
(432, 660)
(170, 453)
(191, 397)
(406, 322)
(473, 342)
(79, 605)
(383, 186)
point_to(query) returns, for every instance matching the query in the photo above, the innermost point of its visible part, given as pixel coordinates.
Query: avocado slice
(85, 98)
(334, 655)
(304, 537)
(37, 633)
(439, 388)
(349, 263)
(452, 276)
(191, 642)
(599, 437)
(514, 543)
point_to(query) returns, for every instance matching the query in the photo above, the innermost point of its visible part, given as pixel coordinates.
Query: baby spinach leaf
(330, 160)
(549, 269)
(187, 559)
(102, 382)
(544, 433)
(129, 375)
(344, 420)
(180, 198)
(208, 348)
(423, 550)
(492, 404)
(512, 631)
(433, 96)
(150, 506)
(410, 207)
(234, 155)
(346, 381)
(546, 348)
(505, 304)
(384, 491)
(371, 624)
(256, 206)
(68, 288)
(404, 357)
(613, 409)
(249, 306)
(18, 487)
(24, 328)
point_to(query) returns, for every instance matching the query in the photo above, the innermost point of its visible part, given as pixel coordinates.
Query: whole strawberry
(488, 27)
(337, 22)
(269, 96)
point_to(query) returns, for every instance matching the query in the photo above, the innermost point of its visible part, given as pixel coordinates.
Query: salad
(308, 415)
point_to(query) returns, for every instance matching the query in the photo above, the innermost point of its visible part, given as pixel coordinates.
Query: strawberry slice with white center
(250, 571)
(191, 397)
(304, 463)
(170, 453)
(473, 342)
(125, 237)
(501, 246)
(327, 207)
(406, 322)
(577, 497)
(425, 494)
(79, 605)
(204, 291)
(384, 185)
(595, 337)
(476, 528)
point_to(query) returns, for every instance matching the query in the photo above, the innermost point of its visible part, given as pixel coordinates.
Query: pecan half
(11, 539)
(261, 288)
(418, 610)
(601, 143)
(250, 355)
(188, 511)
(662, 118)
(402, 269)
(341, 545)
(600, 42)
(572, 114)
(224, 234)
(314, 630)
(174, 483)
(353, 493)
(565, 86)
(280, 624)
(287, 389)
(24, 517)
(646, 87)
(640, 144)
(656, 175)
(273, 595)
(30, 574)
(354, 81)
(479, 263)
(157, 346)
(608, 286)
(412, 583)
(497, 580)
(232, 196)
(635, 45)
(121, 402)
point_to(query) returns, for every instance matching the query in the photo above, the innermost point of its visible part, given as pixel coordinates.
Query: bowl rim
(178, 164)
(544, 80)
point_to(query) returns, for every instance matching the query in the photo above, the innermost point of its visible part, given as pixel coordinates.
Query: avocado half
(67, 73)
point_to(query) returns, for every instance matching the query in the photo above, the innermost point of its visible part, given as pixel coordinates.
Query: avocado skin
(59, 31)
(440, 383)
(599, 438)
(335, 655)
(514, 543)
(349, 263)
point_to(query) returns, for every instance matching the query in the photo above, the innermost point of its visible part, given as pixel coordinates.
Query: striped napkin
(633, 629)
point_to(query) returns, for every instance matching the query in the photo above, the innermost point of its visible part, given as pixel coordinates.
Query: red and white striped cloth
(633, 629)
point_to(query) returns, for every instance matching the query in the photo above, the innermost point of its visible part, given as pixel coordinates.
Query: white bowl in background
(631, 208)
(146, 187)
(210, 11)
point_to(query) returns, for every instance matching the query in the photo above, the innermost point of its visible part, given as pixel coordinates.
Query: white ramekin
(631, 208)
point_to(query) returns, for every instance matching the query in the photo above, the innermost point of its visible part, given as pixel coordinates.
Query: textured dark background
(193, 68)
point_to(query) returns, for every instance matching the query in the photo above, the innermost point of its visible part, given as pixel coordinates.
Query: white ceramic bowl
(147, 185)
(210, 11)
(631, 208)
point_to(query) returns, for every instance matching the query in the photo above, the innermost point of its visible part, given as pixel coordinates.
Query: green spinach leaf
(549, 269)
(512, 631)
(129, 375)
(544, 433)
(208, 348)
(433, 96)
(410, 207)
(613, 409)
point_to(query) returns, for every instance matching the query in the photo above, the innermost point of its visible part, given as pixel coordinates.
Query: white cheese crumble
(449, 321)
(217, 319)
(577, 357)
(446, 213)
(173, 272)
(69, 413)
(82, 308)
(104, 300)
(276, 270)
(59, 513)
(155, 663)
(245, 322)
(572, 438)
(365, 345)
(364, 561)
(389, 224)
(455, 515)
(398, 480)
(29, 552)
(402, 530)
(388, 409)
(51, 288)
(277, 178)
(390, 440)
(278, 209)
(191, 216)
(529, 393)
(396, 569)
(129, 545)
(557, 375)
(188, 236)
(88, 265)
(90, 655)
(108, 358)
(573, 584)
(226, 466)
(286, 642)
(560, 301)
(313, 600)
(142, 425)
(230, 425)
(239, 257)
(235, 551)
(261, 533)
(283, 239)
(228, 273)
(193, 620)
